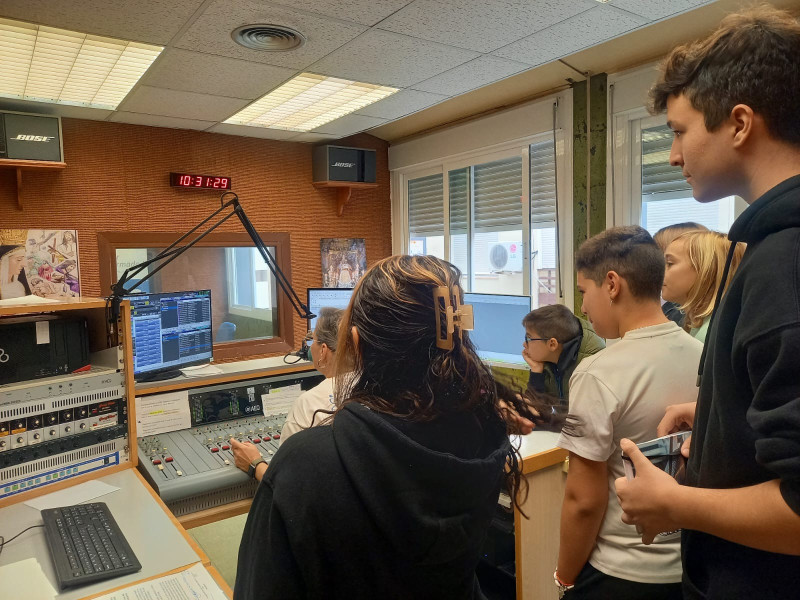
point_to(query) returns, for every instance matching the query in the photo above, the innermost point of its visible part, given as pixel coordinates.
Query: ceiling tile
(390, 59)
(313, 138)
(366, 12)
(581, 31)
(469, 76)
(256, 132)
(211, 32)
(159, 121)
(349, 124)
(184, 105)
(61, 110)
(151, 21)
(653, 10)
(216, 75)
(478, 24)
(400, 104)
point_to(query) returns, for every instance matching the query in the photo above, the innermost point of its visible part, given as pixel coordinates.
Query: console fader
(193, 469)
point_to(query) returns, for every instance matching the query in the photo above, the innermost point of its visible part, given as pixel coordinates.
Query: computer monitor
(170, 330)
(498, 333)
(333, 297)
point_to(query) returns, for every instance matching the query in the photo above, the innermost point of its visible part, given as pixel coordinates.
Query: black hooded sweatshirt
(374, 507)
(747, 424)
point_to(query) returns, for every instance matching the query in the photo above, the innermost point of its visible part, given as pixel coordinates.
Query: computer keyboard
(86, 544)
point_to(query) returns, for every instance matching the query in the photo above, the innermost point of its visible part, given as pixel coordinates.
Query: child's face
(597, 307)
(537, 349)
(707, 159)
(679, 276)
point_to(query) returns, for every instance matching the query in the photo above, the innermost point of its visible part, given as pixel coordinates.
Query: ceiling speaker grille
(272, 38)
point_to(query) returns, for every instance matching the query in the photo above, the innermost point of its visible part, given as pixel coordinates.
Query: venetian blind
(426, 206)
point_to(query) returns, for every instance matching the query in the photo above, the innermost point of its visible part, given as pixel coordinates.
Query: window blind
(658, 177)
(543, 185)
(458, 182)
(498, 194)
(426, 206)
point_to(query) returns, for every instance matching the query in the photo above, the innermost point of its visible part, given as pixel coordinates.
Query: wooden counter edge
(542, 460)
(211, 571)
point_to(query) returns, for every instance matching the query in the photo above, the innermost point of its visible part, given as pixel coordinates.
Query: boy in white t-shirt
(620, 392)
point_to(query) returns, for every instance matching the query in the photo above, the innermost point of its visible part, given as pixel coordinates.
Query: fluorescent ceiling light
(66, 67)
(308, 101)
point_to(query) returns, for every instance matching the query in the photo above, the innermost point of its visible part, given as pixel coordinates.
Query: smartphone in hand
(663, 452)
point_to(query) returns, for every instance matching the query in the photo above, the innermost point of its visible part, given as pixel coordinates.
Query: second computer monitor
(333, 297)
(498, 333)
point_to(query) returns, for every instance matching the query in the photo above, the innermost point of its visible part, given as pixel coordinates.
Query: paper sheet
(201, 371)
(76, 494)
(29, 299)
(195, 583)
(280, 400)
(27, 573)
(162, 412)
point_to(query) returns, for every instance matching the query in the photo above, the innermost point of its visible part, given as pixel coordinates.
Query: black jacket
(374, 507)
(747, 425)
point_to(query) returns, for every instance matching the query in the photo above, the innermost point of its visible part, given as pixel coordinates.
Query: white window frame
(236, 308)
(506, 149)
(628, 116)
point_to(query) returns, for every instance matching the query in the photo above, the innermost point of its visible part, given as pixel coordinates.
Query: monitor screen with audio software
(333, 297)
(170, 330)
(498, 333)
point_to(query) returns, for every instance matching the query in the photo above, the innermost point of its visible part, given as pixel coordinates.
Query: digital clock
(202, 182)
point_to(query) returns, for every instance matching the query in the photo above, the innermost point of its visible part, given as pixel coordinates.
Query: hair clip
(451, 316)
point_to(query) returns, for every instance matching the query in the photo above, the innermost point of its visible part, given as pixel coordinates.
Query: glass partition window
(666, 197)
(544, 246)
(426, 216)
(250, 315)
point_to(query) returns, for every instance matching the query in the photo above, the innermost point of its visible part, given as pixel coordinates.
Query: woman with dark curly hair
(394, 498)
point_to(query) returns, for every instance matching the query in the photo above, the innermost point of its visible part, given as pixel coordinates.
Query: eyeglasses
(532, 339)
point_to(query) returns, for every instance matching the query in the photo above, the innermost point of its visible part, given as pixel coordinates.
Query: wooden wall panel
(117, 179)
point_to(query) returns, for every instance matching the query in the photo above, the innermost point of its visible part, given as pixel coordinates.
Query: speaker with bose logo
(30, 137)
(338, 163)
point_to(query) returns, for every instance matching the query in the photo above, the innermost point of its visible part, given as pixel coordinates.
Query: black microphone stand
(166, 256)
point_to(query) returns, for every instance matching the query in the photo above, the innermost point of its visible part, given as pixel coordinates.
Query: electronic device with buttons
(193, 469)
(59, 428)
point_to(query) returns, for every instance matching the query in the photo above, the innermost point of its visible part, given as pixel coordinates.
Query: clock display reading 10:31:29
(202, 182)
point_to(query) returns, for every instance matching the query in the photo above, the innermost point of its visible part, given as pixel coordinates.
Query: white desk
(158, 542)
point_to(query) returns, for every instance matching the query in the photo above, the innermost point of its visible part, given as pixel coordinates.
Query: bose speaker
(337, 163)
(26, 136)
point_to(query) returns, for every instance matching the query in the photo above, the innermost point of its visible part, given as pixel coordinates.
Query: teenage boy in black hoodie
(731, 101)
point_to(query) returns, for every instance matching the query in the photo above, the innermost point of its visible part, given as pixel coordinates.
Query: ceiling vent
(272, 38)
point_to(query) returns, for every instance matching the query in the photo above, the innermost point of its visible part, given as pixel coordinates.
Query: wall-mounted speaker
(25, 136)
(338, 163)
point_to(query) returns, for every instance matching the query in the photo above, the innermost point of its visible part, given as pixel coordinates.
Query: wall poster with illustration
(344, 261)
(40, 262)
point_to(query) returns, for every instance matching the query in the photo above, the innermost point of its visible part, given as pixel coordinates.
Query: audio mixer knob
(83, 425)
(52, 432)
(67, 429)
(36, 436)
(2, 444)
(20, 439)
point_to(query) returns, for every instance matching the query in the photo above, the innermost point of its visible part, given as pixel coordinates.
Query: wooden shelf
(27, 165)
(343, 191)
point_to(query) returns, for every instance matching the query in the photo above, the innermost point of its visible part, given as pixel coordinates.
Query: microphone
(302, 353)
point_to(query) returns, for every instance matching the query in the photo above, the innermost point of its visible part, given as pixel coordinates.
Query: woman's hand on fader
(244, 454)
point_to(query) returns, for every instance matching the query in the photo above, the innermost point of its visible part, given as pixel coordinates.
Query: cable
(4, 541)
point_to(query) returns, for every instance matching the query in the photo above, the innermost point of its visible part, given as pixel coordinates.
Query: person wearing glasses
(555, 342)
(313, 406)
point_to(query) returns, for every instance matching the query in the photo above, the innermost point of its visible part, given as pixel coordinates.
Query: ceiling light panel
(308, 101)
(46, 64)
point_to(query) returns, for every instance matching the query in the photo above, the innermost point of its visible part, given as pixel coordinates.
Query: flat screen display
(170, 330)
(332, 297)
(498, 333)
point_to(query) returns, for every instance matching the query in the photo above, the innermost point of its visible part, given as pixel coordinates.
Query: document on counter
(28, 575)
(195, 583)
(160, 413)
(280, 400)
(83, 492)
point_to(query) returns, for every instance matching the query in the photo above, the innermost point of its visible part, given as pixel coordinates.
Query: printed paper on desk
(279, 400)
(195, 583)
(75, 494)
(160, 413)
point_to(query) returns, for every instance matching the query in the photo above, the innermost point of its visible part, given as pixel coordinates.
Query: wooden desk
(537, 537)
(158, 540)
